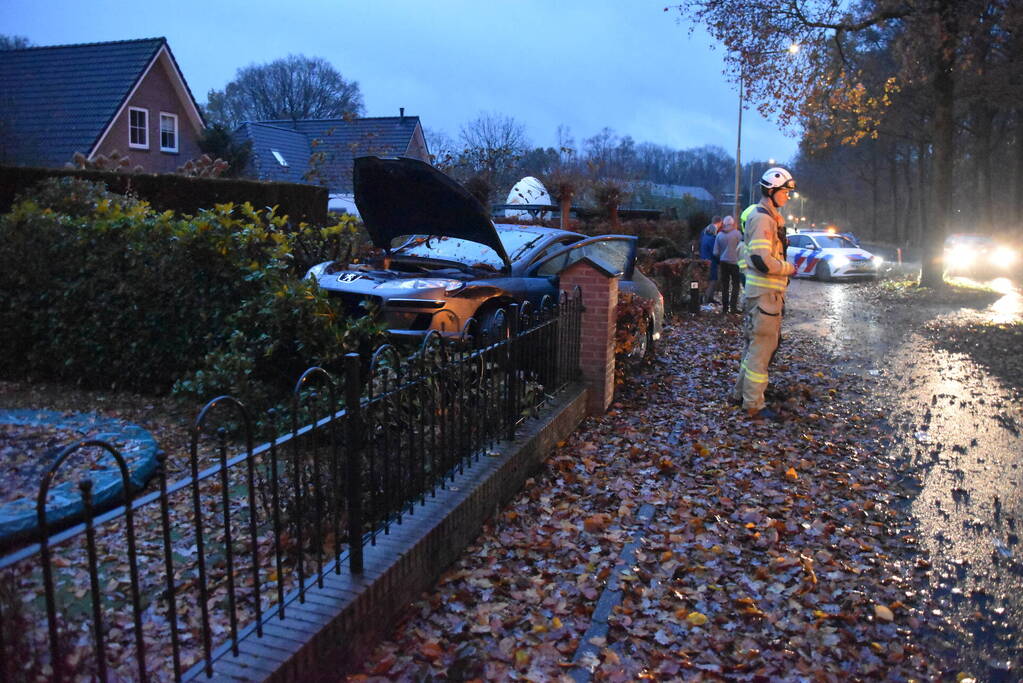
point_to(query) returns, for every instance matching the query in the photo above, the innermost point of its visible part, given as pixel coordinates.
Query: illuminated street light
(792, 49)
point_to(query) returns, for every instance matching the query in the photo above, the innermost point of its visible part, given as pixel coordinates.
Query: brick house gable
(59, 100)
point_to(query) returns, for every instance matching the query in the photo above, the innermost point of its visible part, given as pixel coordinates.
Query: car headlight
(316, 271)
(878, 260)
(839, 261)
(963, 256)
(1003, 257)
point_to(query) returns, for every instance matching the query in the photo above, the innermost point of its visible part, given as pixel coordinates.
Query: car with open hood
(444, 261)
(825, 255)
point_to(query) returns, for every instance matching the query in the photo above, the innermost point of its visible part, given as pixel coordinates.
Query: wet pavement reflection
(957, 439)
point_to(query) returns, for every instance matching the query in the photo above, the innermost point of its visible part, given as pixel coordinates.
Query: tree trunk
(875, 189)
(923, 195)
(1018, 193)
(911, 193)
(894, 228)
(944, 146)
(566, 209)
(985, 116)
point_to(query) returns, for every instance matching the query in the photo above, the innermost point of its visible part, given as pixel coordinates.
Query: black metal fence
(160, 587)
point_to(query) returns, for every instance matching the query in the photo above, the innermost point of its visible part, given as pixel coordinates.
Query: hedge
(181, 194)
(103, 292)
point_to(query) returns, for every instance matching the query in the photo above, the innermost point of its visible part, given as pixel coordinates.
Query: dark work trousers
(730, 279)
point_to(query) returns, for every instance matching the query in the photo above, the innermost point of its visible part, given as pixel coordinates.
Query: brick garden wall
(596, 353)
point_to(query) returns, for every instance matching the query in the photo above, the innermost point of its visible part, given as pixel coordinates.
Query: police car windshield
(833, 242)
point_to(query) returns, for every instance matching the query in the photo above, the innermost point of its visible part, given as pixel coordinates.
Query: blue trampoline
(18, 518)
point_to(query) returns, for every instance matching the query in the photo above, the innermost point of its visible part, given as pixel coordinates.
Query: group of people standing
(720, 245)
(753, 258)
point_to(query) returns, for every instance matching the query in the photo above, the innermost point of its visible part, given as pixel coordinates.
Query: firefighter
(767, 275)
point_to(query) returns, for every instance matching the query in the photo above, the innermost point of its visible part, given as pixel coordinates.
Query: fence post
(694, 297)
(512, 370)
(353, 421)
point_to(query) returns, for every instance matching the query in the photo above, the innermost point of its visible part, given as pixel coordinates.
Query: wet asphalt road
(957, 439)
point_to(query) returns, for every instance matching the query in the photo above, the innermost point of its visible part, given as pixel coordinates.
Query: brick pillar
(596, 353)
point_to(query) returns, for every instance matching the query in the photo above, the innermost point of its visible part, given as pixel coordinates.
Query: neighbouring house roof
(680, 191)
(338, 140)
(292, 149)
(58, 100)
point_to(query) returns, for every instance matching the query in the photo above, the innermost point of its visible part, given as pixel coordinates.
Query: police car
(824, 255)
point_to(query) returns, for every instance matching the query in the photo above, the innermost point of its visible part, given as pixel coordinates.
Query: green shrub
(74, 196)
(102, 291)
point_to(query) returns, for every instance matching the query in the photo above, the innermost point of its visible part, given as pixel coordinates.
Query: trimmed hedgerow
(101, 291)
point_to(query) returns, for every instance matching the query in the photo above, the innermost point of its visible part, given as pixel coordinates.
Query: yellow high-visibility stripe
(768, 283)
(756, 377)
(753, 244)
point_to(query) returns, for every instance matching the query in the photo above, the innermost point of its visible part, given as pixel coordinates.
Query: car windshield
(451, 249)
(968, 241)
(517, 242)
(833, 242)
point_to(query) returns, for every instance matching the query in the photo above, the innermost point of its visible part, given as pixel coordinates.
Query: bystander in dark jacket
(707, 253)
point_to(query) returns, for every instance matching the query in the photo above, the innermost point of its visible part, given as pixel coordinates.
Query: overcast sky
(585, 64)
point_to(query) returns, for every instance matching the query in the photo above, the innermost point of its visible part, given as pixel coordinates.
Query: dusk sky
(624, 64)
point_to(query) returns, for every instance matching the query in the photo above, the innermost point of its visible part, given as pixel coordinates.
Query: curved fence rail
(225, 538)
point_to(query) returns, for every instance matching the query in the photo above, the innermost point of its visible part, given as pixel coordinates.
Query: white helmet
(777, 178)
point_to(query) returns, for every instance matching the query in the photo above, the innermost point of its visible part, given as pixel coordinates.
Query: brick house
(127, 96)
(321, 151)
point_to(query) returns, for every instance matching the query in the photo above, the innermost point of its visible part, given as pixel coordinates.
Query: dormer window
(138, 128)
(279, 157)
(168, 132)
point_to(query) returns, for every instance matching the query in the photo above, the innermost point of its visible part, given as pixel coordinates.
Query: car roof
(968, 237)
(537, 229)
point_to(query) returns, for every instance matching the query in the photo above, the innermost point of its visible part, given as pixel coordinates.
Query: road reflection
(956, 440)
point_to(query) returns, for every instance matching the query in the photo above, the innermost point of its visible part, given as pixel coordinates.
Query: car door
(614, 253)
(803, 254)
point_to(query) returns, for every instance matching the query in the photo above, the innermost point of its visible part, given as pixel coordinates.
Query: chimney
(401, 112)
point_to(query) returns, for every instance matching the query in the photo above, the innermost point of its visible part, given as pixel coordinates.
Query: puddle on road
(948, 437)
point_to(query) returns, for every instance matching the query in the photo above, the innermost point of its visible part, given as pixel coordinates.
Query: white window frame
(279, 157)
(144, 129)
(173, 117)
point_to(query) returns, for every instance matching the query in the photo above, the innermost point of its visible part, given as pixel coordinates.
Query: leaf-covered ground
(773, 550)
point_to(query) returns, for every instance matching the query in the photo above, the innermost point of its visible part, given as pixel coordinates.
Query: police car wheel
(823, 272)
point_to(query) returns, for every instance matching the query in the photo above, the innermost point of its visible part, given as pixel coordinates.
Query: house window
(279, 157)
(168, 132)
(138, 128)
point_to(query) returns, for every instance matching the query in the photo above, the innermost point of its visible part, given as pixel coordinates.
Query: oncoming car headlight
(961, 256)
(839, 261)
(1003, 257)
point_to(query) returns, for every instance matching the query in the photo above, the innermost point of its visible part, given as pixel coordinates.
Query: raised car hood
(402, 196)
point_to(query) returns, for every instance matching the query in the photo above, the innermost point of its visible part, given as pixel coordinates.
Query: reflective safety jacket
(742, 234)
(763, 253)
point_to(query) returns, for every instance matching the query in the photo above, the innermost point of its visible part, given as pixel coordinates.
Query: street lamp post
(752, 198)
(792, 49)
(802, 203)
(738, 146)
